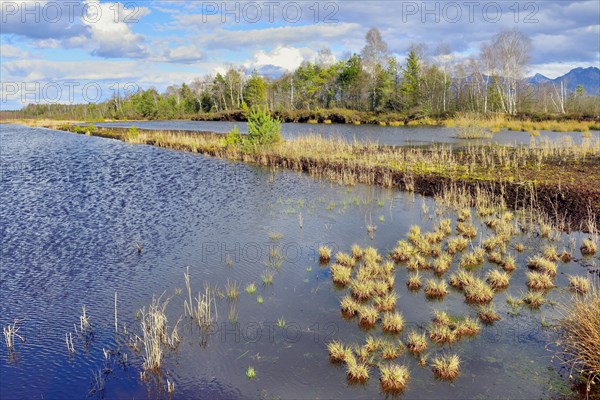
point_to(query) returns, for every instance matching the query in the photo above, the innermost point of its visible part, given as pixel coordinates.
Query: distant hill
(588, 78)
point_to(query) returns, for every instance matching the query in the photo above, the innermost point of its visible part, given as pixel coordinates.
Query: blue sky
(156, 43)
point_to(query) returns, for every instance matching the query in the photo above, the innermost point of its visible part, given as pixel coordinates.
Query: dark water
(385, 135)
(73, 206)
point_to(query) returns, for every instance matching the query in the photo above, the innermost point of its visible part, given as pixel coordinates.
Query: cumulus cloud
(282, 57)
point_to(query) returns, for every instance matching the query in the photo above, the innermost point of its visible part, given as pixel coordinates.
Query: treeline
(357, 88)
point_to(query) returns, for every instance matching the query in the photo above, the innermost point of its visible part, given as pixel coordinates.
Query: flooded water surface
(85, 217)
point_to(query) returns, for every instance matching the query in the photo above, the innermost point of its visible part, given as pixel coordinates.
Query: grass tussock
(457, 244)
(416, 343)
(478, 292)
(543, 265)
(338, 353)
(356, 252)
(349, 306)
(472, 259)
(589, 247)
(393, 378)
(579, 284)
(442, 334)
(356, 372)
(461, 279)
(435, 289)
(534, 299)
(539, 281)
(392, 322)
(414, 281)
(446, 367)
(387, 302)
(467, 327)
(341, 274)
(324, 254)
(402, 251)
(497, 279)
(368, 316)
(487, 314)
(579, 340)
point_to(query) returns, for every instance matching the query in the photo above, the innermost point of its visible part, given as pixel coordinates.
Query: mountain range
(588, 78)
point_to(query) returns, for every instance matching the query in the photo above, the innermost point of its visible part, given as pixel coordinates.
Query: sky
(73, 51)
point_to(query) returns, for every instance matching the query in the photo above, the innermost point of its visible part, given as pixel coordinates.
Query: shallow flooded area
(388, 135)
(84, 218)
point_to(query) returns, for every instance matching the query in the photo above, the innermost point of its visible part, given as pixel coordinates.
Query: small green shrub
(233, 138)
(132, 134)
(263, 130)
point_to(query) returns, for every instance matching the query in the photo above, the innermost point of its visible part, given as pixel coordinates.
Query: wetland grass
(372, 344)
(402, 252)
(156, 338)
(441, 318)
(508, 263)
(478, 292)
(461, 279)
(387, 302)
(11, 331)
(340, 274)
(356, 252)
(467, 327)
(361, 289)
(349, 306)
(368, 316)
(457, 244)
(414, 281)
(542, 265)
(534, 299)
(267, 278)
(345, 259)
(579, 284)
(441, 334)
(393, 378)
(251, 288)
(497, 279)
(472, 259)
(416, 343)
(435, 289)
(356, 372)
(579, 335)
(442, 264)
(539, 281)
(417, 262)
(487, 313)
(589, 247)
(446, 367)
(232, 290)
(324, 254)
(338, 353)
(390, 350)
(392, 322)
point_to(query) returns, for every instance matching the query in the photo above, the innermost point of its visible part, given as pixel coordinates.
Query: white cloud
(110, 32)
(9, 51)
(284, 57)
(182, 54)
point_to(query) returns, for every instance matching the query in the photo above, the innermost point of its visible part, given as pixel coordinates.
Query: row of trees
(374, 80)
